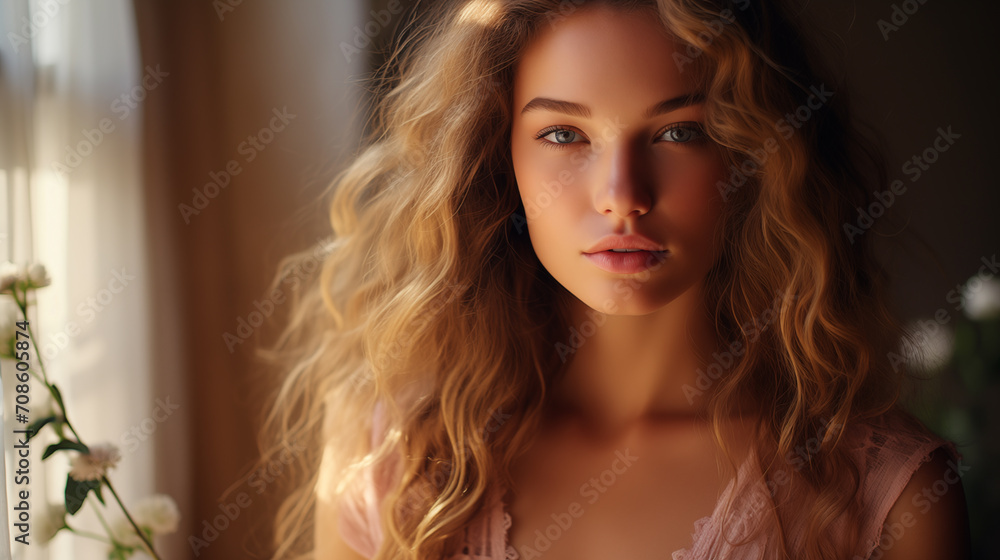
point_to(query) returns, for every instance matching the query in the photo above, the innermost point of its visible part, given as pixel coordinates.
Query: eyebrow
(579, 110)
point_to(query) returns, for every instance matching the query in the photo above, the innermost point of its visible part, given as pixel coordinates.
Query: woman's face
(606, 141)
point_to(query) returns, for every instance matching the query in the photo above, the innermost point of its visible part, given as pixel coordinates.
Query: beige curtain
(71, 91)
(257, 115)
(102, 148)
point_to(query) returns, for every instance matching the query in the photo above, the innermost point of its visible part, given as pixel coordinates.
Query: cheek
(550, 206)
(693, 198)
(550, 225)
(525, 168)
(545, 181)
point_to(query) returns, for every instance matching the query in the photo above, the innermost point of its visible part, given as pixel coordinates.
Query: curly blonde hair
(432, 301)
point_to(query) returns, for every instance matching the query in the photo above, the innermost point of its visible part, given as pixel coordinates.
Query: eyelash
(692, 126)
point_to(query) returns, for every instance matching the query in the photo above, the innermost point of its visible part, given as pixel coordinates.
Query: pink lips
(626, 263)
(632, 241)
(649, 254)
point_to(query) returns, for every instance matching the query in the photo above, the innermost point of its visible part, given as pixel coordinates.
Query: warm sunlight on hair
(483, 12)
(626, 290)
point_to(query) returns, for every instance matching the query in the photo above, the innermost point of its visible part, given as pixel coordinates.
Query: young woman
(591, 296)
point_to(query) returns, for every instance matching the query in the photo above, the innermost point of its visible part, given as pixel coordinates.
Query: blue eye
(562, 136)
(677, 133)
(681, 134)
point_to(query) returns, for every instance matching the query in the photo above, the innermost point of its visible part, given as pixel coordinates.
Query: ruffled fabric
(700, 528)
(485, 537)
(511, 552)
(890, 452)
(887, 450)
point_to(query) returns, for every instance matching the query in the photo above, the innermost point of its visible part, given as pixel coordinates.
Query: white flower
(49, 522)
(158, 513)
(928, 344)
(125, 534)
(94, 465)
(10, 273)
(981, 297)
(37, 275)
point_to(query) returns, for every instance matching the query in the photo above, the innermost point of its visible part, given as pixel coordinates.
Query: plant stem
(41, 366)
(104, 523)
(31, 334)
(90, 535)
(138, 531)
(23, 305)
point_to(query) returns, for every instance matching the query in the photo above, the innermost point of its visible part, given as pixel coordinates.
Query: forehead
(600, 54)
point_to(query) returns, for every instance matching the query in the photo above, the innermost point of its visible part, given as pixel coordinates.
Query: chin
(630, 303)
(630, 296)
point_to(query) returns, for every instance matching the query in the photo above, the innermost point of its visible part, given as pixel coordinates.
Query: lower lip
(626, 263)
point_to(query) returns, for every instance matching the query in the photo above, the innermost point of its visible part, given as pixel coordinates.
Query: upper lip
(624, 242)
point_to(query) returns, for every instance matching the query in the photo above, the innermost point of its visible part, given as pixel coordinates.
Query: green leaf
(119, 552)
(100, 497)
(38, 425)
(76, 492)
(58, 396)
(65, 444)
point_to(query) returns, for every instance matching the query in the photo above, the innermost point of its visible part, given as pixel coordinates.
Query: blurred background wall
(261, 101)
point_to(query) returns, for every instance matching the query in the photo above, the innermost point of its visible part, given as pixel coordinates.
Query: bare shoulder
(930, 519)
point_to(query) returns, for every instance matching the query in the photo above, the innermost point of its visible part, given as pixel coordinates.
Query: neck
(628, 372)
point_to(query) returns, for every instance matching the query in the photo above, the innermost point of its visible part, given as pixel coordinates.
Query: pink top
(887, 453)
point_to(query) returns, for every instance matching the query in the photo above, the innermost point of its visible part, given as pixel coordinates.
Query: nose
(620, 184)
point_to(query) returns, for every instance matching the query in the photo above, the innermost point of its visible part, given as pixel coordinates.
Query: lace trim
(877, 447)
(510, 552)
(700, 526)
